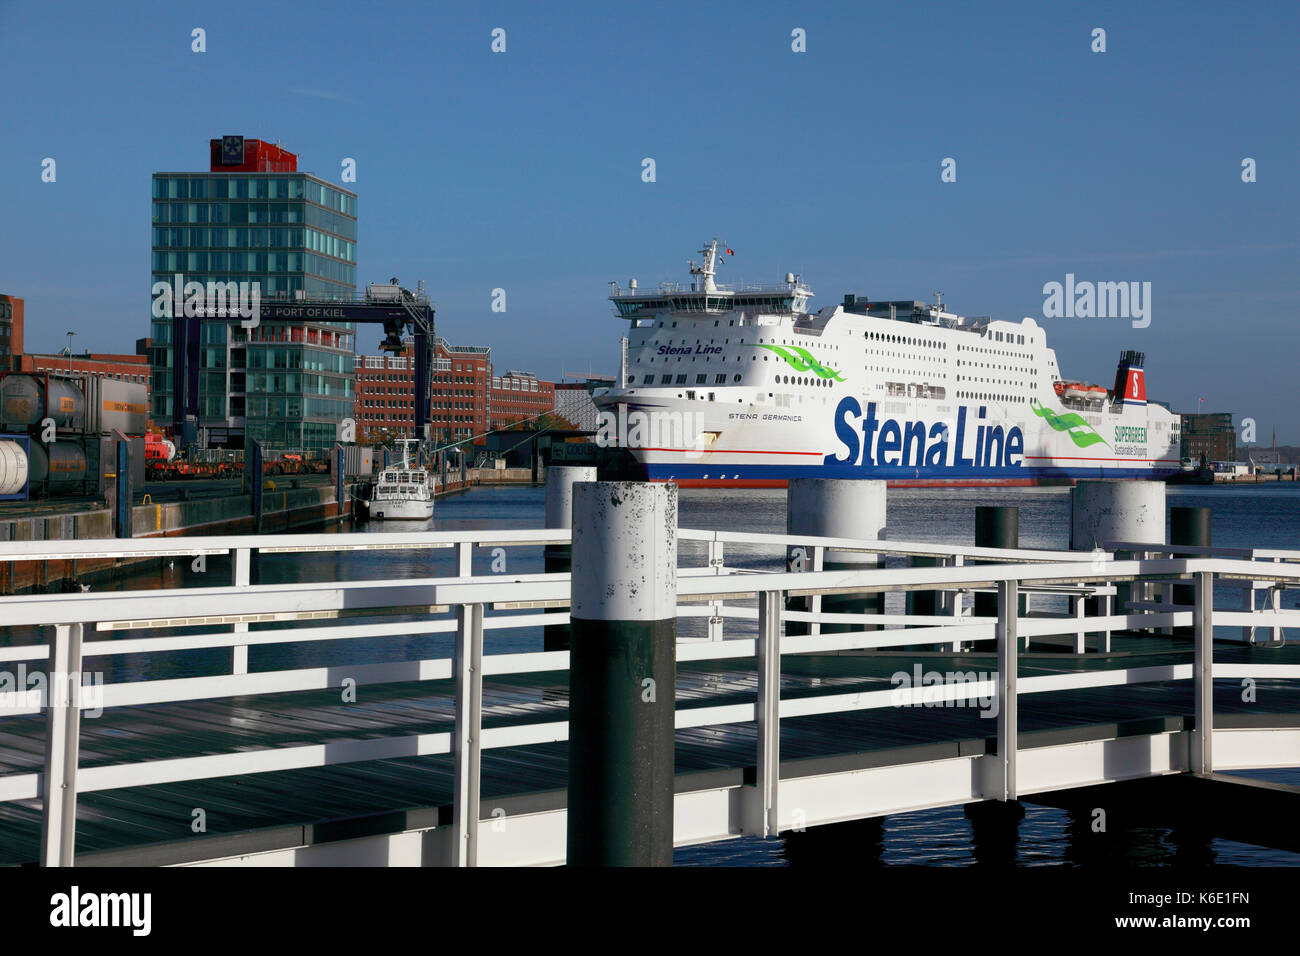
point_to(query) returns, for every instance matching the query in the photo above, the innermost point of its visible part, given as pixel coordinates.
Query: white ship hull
(401, 510)
(729, 388)
(755, 445)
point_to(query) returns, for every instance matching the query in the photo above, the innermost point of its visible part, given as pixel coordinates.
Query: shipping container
(358, 460)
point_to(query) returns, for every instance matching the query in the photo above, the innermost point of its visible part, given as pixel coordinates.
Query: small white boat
(403, 492)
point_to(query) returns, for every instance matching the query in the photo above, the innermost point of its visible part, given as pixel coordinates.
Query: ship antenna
(707, 269)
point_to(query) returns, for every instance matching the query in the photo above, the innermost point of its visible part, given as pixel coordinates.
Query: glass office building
(287, 386)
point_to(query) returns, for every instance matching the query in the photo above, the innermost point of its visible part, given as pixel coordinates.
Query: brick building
(518, 397)
(467, 400)
(1210, 434)
(459, 385)
(11, 331)
(124, 368)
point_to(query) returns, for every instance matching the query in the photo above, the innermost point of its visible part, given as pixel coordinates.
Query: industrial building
(573, 402)
(253, 217)
(1210, 435)
(121, 367)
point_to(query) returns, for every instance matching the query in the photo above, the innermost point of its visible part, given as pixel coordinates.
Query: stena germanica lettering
(868, 442)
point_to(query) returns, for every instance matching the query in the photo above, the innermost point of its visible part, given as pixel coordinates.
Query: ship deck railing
(470, 607)
(719, 288)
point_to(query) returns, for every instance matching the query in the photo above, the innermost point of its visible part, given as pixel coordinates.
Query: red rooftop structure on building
(234, 154)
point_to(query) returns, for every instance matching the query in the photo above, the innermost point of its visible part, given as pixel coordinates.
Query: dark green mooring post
(125, 493)
(257, 478)
(558, 557)
(622, 674)
(996, 526)
(923, 602)
(1188, 525)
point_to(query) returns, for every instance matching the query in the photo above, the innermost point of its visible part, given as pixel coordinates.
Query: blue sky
(522, 170)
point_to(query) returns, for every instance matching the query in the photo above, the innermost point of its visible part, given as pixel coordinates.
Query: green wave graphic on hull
(802, 361)
(1080, 432)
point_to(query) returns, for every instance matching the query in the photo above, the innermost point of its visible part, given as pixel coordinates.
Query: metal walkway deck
(375, 780)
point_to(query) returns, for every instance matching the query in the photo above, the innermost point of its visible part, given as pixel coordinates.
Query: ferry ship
(745, 387)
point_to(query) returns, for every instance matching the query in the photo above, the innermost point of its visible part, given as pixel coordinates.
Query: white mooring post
(558, 558)
(1106, 510)
(837, 508)
(467, 746)
(62, 739)
(560, 480)
(1203, 671)
(1008, 606)
(622, 674)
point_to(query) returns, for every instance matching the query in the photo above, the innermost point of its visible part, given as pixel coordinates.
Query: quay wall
(283, 510)
(291, 509)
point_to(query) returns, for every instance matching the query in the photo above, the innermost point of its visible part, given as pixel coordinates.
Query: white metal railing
(459, 605)
(1271, 590)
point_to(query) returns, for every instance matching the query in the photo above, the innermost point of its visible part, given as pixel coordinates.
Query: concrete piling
(557, 558)
(1105, 510)
(836, 508)
(622, 674)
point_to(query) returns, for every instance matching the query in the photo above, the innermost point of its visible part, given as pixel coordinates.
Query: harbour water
(1266, 515)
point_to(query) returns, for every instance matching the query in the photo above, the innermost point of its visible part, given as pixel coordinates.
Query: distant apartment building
(11, 330)
(1210, 434)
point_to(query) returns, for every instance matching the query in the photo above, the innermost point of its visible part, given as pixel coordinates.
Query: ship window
(681, 379)
(735, 378)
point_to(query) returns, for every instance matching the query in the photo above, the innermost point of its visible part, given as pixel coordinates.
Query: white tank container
(13, 468)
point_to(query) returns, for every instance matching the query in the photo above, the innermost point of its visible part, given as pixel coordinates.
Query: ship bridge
(706, 297)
